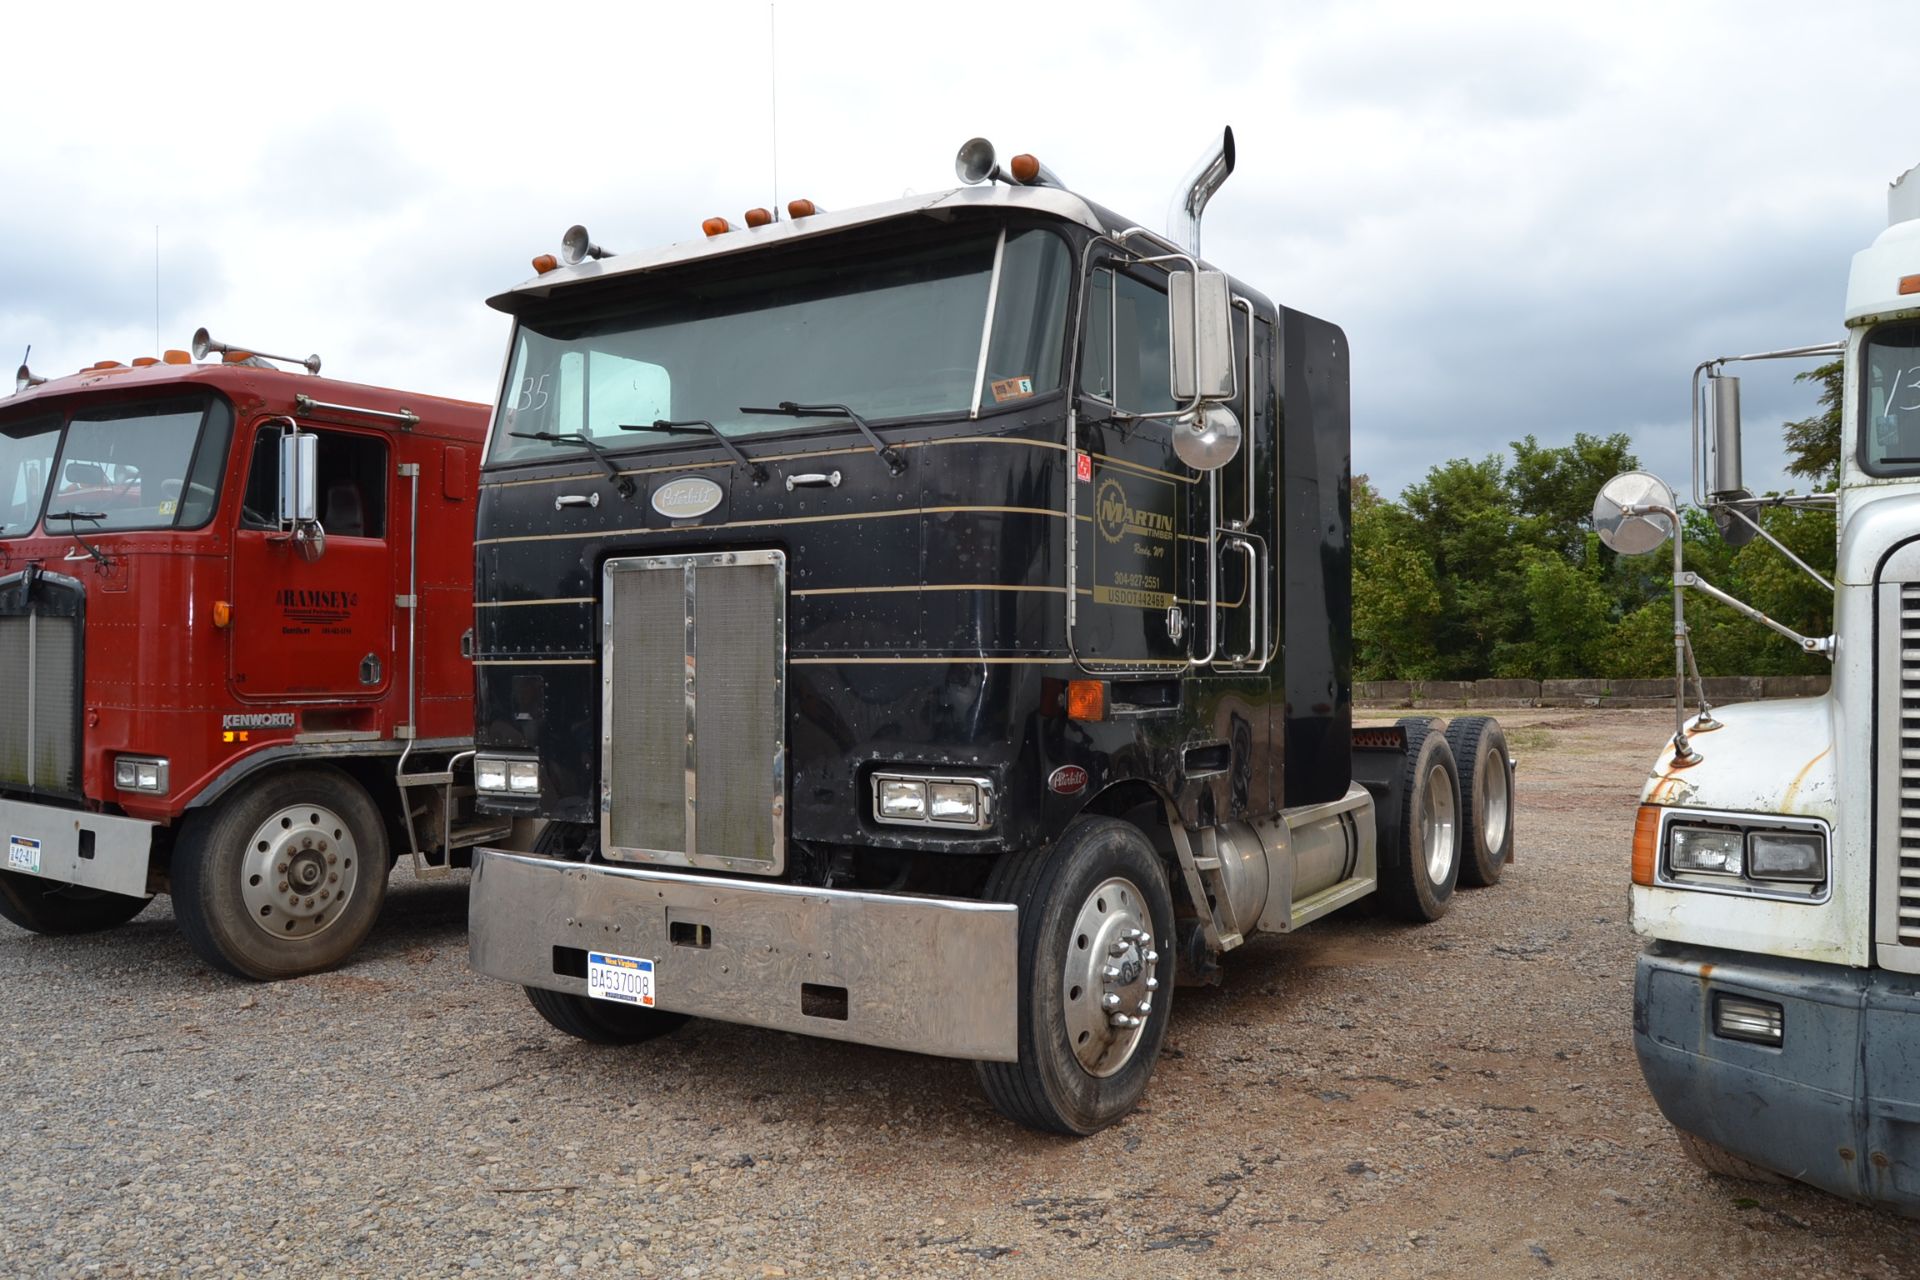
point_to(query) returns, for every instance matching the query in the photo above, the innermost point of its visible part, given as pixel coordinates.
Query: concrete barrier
(1579, 693)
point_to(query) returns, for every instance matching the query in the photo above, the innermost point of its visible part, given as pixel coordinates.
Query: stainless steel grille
(1909, 806)
(39, 693)
(693, 749)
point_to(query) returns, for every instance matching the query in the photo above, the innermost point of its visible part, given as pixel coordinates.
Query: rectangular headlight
(523, 775)
(1703, 849)
(489, 774)
(1787, 855)
(901, 800)
(140, 773)
(954, 802)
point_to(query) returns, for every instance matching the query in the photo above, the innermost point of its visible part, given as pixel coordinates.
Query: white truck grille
(1909, 807)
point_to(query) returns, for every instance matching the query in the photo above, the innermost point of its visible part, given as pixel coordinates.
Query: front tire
(1096, 977)
(602, 1021)
(56, 908)
(284, 877)
(1418, 885)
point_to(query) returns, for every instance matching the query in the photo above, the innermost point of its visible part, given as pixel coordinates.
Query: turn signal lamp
(759, 217)
(143, 362)
(716, 226)
(1646, 844)
(1086, 700)
(1025, 168)
(1910, 284)
(175, 357)
(235, 357)
(801, 208)
(222, 613)
(107, 364)
(546, 262)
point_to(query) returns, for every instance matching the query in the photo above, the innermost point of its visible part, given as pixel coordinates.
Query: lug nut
(333, 878)
(1152, 957)
(309, 902)
(1117, 948)
(1109, 972)
(282, 868)
(332, 858)
(322, 846)
(1111, 1000)
(324, 895)
(293, 899)
(1146, 1007)
(283, 886)
(1153, 984)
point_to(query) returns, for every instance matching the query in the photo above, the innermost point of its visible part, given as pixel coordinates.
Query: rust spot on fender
(1786, 800)
(1706, 972)
(1846, 1154)
(1880, 1160)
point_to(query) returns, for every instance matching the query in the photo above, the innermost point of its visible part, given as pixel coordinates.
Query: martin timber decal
(1133, 562)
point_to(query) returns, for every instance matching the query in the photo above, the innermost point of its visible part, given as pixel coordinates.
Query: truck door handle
(577, 500)
(814, 480)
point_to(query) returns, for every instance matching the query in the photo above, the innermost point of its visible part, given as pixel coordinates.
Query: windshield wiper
(700, 426)
(620, 483)
(73, 531)
(788, 409)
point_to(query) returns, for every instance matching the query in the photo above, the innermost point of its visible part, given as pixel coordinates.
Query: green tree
(1813, 444)
(1395, 600)
(1553, 488)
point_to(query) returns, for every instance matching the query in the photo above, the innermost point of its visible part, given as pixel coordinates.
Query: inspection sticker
(24, 855)
(627, 979)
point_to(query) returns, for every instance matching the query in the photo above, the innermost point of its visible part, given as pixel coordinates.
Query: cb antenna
(773, 101)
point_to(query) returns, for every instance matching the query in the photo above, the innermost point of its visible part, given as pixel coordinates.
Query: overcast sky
(1528, 218)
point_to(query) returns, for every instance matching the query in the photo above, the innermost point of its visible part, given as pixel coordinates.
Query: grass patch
(1527, 738)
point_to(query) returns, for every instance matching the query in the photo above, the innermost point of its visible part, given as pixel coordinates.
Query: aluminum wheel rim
(1439, 826)
(299, 872)
(1494, 797)
(1109, 979)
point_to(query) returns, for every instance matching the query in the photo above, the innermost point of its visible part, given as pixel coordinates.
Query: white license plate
(24, 855)
(627, 979)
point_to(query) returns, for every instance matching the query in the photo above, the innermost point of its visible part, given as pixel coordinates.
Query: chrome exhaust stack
(1190, 199)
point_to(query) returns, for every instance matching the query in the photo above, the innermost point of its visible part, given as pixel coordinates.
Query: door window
(352, 484)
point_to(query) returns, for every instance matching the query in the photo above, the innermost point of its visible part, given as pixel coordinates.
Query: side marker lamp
(1646, 844)
(1086, 700)
(716, 226)
(1755, 1021)
(222, 613)
(802, 209)
(759, 217)
(1909, 284)
(546, 262)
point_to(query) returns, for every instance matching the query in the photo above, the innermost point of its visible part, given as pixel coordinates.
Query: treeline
(1492, 568)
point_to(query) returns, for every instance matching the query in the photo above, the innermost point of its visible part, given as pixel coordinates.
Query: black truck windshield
(889, 335)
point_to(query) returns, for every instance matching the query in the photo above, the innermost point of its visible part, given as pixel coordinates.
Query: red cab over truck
(235, 608)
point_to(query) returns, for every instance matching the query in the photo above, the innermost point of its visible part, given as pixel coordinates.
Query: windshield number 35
(533, 394)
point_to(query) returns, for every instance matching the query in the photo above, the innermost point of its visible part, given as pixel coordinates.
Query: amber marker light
(801, 208)
(1025, 168)
(142, 362)
(175, 357)
(759, 217)
(1910, 284)
(716, 226)
(1086, 700)
(546, 262)
(222, 613)
(1646, 844)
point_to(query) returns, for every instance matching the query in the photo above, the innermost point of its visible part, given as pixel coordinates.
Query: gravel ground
(1361, 1099)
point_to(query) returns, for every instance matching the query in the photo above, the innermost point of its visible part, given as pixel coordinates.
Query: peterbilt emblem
(687, 497)
(1067, 780)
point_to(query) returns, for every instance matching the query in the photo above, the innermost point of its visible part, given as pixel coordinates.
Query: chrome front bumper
(930, 975)
(94, 850)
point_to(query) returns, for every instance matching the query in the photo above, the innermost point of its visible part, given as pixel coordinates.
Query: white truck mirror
(1200, 335)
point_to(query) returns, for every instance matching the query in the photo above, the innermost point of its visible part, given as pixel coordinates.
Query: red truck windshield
(144, 466)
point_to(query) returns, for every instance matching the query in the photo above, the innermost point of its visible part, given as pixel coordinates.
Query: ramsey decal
(316, 607)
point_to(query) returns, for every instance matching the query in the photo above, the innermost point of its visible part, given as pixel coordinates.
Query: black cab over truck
(927, 625)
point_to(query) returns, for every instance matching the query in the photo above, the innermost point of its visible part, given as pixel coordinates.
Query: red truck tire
(284, 876)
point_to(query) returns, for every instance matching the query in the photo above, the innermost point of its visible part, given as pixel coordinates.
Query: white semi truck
(1776, 855)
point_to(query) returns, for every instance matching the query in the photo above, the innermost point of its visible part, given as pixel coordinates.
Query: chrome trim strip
(1740, 886)
(986, 325)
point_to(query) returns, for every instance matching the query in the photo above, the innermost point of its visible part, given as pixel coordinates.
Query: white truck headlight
(1704, 849)
(962, 803)
(140, 773)
(900, 800)
(1786, 855)
(500, 776)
